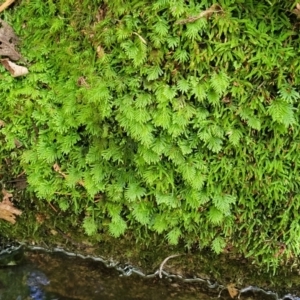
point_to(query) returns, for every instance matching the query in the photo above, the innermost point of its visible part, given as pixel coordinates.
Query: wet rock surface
(66, 275)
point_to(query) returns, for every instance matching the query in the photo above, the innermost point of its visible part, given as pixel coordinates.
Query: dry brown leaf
(232, 290)
(53, 232)
(100, 15)
(6, 195)
(100, 51)
(8, 212)
(14, 69)
(8, 41)
(40, 218)
(82, 82)
(296, 11)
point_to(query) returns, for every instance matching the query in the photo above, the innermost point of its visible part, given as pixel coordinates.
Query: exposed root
(163, 263)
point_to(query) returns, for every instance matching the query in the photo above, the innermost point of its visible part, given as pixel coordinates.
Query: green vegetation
(170, 119)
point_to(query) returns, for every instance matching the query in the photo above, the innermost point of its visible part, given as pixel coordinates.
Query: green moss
(141, 117)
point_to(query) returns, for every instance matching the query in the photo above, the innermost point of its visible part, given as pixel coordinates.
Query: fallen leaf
(82, 82)
(296, 11)
(100, 15)
(100, 51)
(232, 290)
(53, 232)
(8, 40)
(14, 69)
(40, 218)
(6, 195)
(8, 212)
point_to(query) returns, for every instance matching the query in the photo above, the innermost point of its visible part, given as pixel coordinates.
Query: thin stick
(162, 264)
(21, 174)
(141, 38)
(52, 207)
(57, 168)
(206, 13)
(6, 4)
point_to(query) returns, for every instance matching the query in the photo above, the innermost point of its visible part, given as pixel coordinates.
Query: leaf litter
(7, 210)
(8, 42)
(232, 290)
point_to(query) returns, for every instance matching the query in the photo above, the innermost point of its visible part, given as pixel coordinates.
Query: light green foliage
(89, 225)
(218, 244)
(117, 226)
(173, 236)
(187, 129)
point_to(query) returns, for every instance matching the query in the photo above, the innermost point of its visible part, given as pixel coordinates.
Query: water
(45, 276)
(40, 275)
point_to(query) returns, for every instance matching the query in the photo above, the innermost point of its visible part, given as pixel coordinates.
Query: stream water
(41, 275)
(59, 275)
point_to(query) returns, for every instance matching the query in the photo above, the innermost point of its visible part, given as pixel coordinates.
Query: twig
(206, 13)
(52, 207)
(222, 289)
(57, 169)
(21, 174)
(163, 263)
(6, 4)
(140, 37)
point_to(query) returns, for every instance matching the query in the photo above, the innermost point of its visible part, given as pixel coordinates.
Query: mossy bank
(169, 120)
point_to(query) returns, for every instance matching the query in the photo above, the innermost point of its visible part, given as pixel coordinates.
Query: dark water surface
(40, 275)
